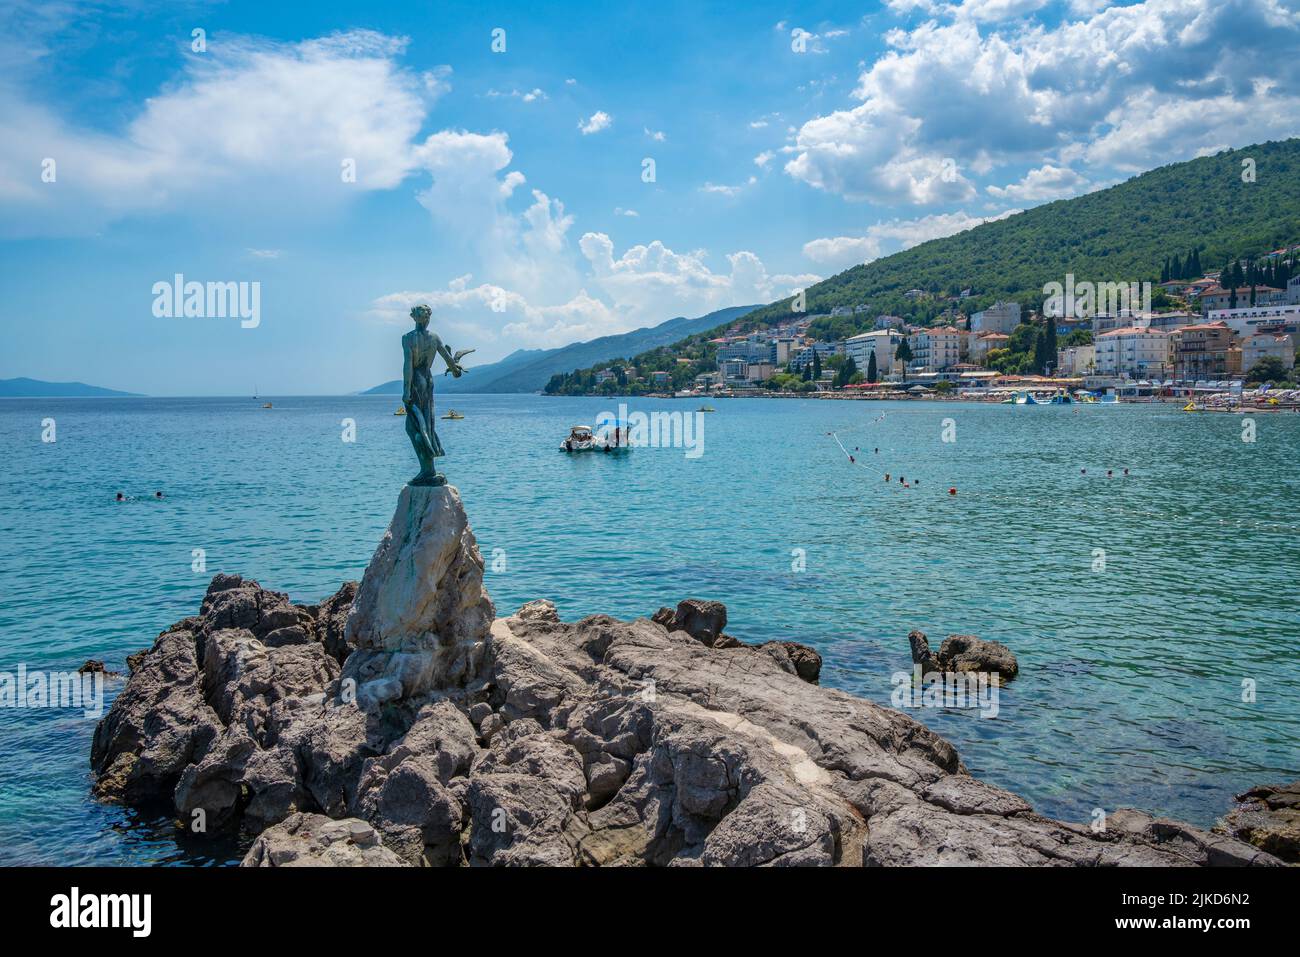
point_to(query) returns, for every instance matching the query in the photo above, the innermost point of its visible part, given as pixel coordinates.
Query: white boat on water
(582, 439)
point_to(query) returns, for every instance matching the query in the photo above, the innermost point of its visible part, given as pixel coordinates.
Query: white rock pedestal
(421, 615)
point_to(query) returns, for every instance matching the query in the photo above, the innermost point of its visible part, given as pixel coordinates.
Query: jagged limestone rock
(421, 615)
(313, 840)
(532, 741)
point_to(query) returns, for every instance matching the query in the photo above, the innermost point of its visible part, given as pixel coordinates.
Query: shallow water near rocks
(1132, 670)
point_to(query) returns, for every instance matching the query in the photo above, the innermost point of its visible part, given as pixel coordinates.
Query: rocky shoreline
(400, 722)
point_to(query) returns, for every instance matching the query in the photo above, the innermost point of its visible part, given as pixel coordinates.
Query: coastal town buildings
(1267, 345)
(751, 349)
(804, 355)
(1216, 297)
(1000, 317)
(937, 349)
(1248, 320)
(1207, 351)
(782, 347)
(1202, 340)
(1076, 360)
(1133, 351)
(1168, 321)
(982, 345)
(882, 344)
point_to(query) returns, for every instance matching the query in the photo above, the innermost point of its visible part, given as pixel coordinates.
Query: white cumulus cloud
(598, 121)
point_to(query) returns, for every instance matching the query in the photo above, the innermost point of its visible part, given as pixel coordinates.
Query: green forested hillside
(1123, 233)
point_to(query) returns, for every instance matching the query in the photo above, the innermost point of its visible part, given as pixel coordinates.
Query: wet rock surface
(401, 723)
(964, 653)
(1267, 817)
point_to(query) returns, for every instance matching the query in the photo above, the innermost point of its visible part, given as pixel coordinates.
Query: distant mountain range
(528, 370)
(37, 389)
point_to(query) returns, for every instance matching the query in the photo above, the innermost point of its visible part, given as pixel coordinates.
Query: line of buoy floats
(902, 480)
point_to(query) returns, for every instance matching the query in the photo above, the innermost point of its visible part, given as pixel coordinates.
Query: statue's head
(421, 314)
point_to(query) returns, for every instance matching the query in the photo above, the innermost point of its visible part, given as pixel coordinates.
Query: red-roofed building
(1216, 297)
(937, 349)
(1208, 351)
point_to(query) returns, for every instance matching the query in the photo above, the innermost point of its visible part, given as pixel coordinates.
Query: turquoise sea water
(1130, 691)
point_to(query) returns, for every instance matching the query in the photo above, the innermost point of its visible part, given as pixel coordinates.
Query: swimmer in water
(121, 497)
(158, 495)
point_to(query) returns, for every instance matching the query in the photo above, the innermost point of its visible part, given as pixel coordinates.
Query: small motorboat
(582, 439)
(453, 414)
(707, 408)
(267, 406)
(401, 410)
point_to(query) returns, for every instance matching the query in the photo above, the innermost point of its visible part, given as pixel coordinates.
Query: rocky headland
(400, 722)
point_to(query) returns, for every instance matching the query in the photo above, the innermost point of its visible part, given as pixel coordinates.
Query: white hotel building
(882, 344)
(1135, 352)
(1247, 320)
(1265, 345)
(934, 350)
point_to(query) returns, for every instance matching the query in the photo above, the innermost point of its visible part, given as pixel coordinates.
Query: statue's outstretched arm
(452, 365)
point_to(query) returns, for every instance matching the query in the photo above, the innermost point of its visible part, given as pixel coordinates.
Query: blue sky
(506, 188)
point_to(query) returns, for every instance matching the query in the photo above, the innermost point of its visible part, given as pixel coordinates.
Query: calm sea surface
(1132, 673)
